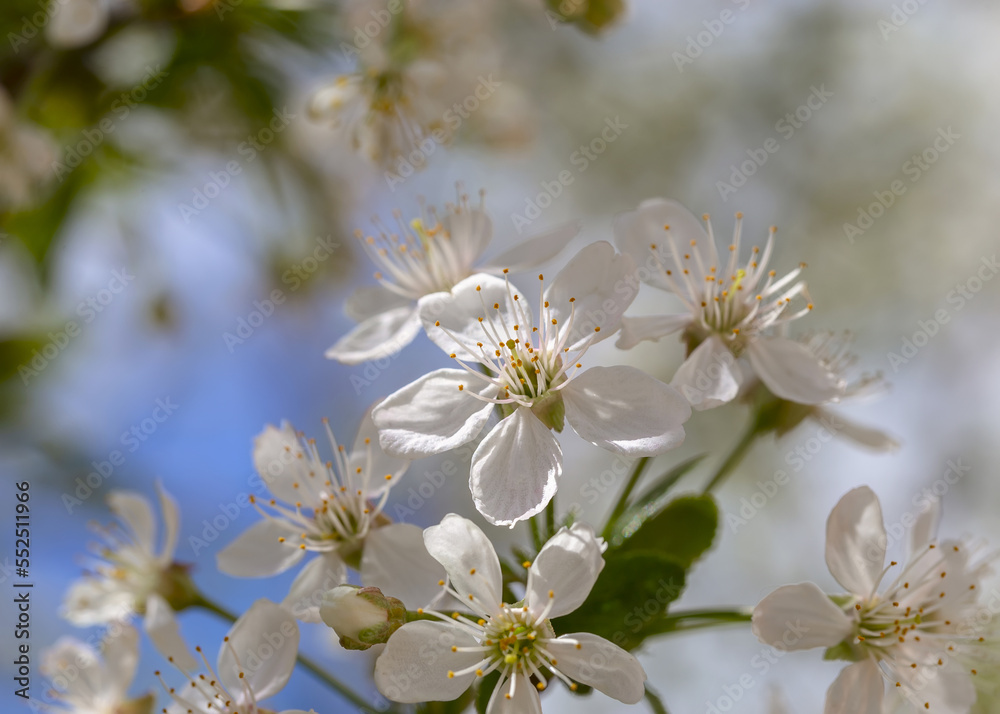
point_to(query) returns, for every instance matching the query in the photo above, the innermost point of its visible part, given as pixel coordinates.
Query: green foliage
(631, 595)
(486, 686)
(647, 503)
(683, 529)
(591, 16)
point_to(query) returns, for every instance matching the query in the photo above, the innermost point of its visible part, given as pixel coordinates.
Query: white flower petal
(265, 624)
(322, 573)
(137, 514)
(792, 372)
(121, 657)
(415, 663)
(949, 688)
(161, 627)
(567, 568)
(395, 560)
(257, 552)
(76, 671)
(858, 689)
(594, 661)
(856, 541)
(515, 469)
(171, 524)
(469, 559)
(281, 462)
(536, 250)
(432, 415)
(97, 601)
(638, 329)
(800, 617)
(598, 279)
(525, 699)
(380, 336)
(924, 531)
(626, 411)
(370, 300)
(636, 231)
(453, 320)
(77, 23)
(471, 231)
(710, 376)
(367, 455)
(869, 437)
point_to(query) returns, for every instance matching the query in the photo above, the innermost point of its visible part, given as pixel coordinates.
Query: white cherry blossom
(731, 311)
(333, 509)
(128, 577)
(85, 681)
(901, 625)
(834, 353)
(255, 661)
(533, 371)
(437, 660)
(429, 254)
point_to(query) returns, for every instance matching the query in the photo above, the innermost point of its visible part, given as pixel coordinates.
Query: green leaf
(683, 529)
(486, 686)
(630, 596)
(663, 484)
(655, 703)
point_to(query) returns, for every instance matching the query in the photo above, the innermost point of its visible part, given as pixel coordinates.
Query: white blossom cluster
(447, 614)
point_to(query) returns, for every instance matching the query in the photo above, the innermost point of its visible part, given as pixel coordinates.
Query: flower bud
(362, 617)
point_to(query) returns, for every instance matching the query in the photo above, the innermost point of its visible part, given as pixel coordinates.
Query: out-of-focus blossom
(88, 682)
(834, 354)
(335, 510)
(129, 577)
(423, 68)
(731, 311)
(26, 157)
(433, 253)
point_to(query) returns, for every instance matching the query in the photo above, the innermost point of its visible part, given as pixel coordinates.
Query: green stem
(655, 703)
(622, 503)
(317, 671)
(550, 518)
(686, 620)
(735, 456)
(536, 534)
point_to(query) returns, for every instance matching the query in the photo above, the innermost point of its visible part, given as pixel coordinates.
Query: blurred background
(167, 171)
